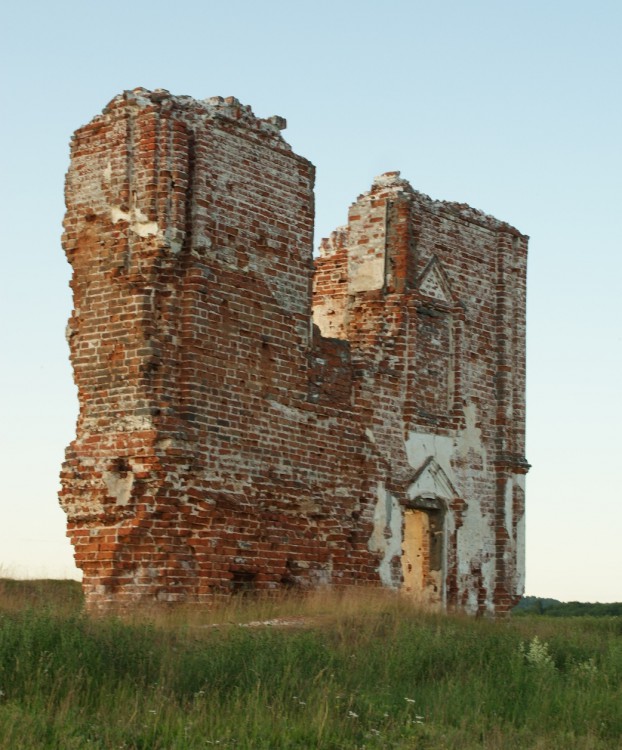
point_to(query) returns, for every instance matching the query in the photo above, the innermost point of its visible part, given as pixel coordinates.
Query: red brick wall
(224, 443)
(440, 337)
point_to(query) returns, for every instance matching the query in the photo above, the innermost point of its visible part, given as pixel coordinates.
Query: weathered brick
(248, 421)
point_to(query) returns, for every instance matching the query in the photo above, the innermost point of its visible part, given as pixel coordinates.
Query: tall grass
(364, 670)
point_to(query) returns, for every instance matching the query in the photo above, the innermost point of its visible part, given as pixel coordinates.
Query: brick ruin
(250, 419)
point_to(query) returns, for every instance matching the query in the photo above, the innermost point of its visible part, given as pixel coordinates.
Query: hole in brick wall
(121, 465)
(242, 582)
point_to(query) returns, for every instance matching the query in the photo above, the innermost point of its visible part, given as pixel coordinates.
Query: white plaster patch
(509, 497)
(119, 487)
(370, 435)
(131, 422)
(421, 445)
(174, 239)
(471, 437)
(324, 576)
(470, 606)
(387, 517)
(366, 275)
(488, 574)
(519, 480)
(116, 214)
(139, 223)
(520, 556)
(328, 317)
(295, 415)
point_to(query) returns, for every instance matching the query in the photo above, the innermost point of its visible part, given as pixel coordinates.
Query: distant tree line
(534, 605)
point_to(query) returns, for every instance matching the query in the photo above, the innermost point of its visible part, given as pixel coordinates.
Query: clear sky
(512, 107)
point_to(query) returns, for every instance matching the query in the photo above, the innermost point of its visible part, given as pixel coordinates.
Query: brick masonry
(250, 421)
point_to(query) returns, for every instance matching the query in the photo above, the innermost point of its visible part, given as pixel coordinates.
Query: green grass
(367, 671)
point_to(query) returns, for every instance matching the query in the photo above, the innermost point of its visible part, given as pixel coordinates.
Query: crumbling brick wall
(229, 438)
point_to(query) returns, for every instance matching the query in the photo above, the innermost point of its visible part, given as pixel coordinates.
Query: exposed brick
(250, 421)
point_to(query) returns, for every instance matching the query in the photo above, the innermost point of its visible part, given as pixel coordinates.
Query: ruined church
(252, 418)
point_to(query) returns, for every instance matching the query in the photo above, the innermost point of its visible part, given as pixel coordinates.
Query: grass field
(363, 670)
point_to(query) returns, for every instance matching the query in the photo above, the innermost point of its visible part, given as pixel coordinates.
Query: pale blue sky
(514, 108)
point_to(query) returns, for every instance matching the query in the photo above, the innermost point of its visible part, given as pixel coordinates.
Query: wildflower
(537, 654)
(352, 715)
(581, 669)
(410, 700)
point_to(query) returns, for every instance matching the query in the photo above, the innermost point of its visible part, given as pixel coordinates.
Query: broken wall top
(391, 184)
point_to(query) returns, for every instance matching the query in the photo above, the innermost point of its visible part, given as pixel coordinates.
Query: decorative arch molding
(430, 487)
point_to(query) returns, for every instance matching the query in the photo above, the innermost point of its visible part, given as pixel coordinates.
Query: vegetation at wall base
(333, 671)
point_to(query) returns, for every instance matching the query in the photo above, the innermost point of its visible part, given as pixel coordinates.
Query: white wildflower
(536, 654)
(581, 669)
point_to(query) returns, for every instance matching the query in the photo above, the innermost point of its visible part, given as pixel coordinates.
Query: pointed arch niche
(424, 536)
